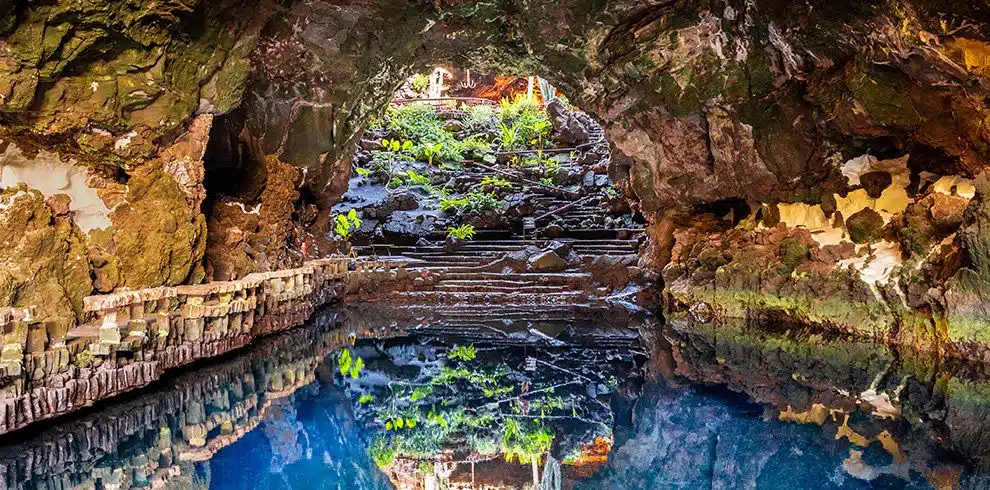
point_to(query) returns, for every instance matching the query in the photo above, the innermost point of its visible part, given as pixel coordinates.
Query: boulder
(875, 182)
(570, 130)
(864, 226)
(547, 261)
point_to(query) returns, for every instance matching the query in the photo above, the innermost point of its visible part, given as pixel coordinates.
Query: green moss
(793, 252)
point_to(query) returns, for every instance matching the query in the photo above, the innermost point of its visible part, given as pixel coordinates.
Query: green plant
(508, 136)
(531, 123)
(383, 451)
(345, 223)
(349, 365)
(452, 202)
(547, 181)
(479, 116)
(363, 172)
(478, 148)
(548, 91)
(478, 202)
(497, 182)
(420, 392)
(396, 145)
(462, 232)
(551, 167)
(366, 398)
(413, 121)
(526, 442)
(463, 353)
(472, 202)
(420, 82)
(415, 178)
(429, 152)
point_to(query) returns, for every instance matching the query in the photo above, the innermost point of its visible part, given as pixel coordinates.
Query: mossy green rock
(160, 240)
(864, 226)
(44, 259)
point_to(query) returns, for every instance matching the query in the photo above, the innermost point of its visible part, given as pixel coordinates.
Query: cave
(462, 244)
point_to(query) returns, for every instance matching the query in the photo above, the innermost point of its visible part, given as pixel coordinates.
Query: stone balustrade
(130, 338)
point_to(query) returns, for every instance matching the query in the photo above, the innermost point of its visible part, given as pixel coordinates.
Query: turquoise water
(667, 435)
(294, 411)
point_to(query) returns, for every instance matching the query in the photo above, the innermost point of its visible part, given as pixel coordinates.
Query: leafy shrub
(420, 82)
(472, 202)
(479, 116)
(508, 137)
(531, 123)
(345, 223)
(463, 232)
(413, 121)
(497, 182)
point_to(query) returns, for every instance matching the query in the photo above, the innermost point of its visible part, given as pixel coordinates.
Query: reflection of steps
(518, 324)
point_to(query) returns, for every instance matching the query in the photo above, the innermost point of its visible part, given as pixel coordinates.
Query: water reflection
(563, 399)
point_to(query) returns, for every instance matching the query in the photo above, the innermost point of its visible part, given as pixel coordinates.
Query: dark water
(295, 411)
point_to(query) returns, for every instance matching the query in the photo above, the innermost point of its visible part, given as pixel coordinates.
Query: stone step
(543, 278)
(487, 288)
(493, 299)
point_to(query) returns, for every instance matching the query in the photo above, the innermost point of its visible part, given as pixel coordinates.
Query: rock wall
(134, 337)
(785, 153)
(159, 437)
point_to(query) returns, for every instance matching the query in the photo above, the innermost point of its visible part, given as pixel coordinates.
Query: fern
(463, 232)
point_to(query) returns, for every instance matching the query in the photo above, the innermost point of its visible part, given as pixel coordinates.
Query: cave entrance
(460, 156)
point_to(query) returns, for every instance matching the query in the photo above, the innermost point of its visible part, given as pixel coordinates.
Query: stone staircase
(481, 271)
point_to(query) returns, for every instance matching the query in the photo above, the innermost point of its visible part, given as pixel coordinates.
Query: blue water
(309, 442)
(672, 437)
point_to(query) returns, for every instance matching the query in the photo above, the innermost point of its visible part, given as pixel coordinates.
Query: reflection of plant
(348, 365)
(463, 352)
(525, 441)
(463, 232)
(485, 446)
(420, 392)
(383, 451)
(345, 223)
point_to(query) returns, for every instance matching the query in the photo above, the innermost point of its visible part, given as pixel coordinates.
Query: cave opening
(498, 174)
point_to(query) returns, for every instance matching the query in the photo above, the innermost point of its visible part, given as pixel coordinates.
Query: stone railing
(132, 337)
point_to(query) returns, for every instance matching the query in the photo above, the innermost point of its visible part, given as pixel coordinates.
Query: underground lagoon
(494, 245)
